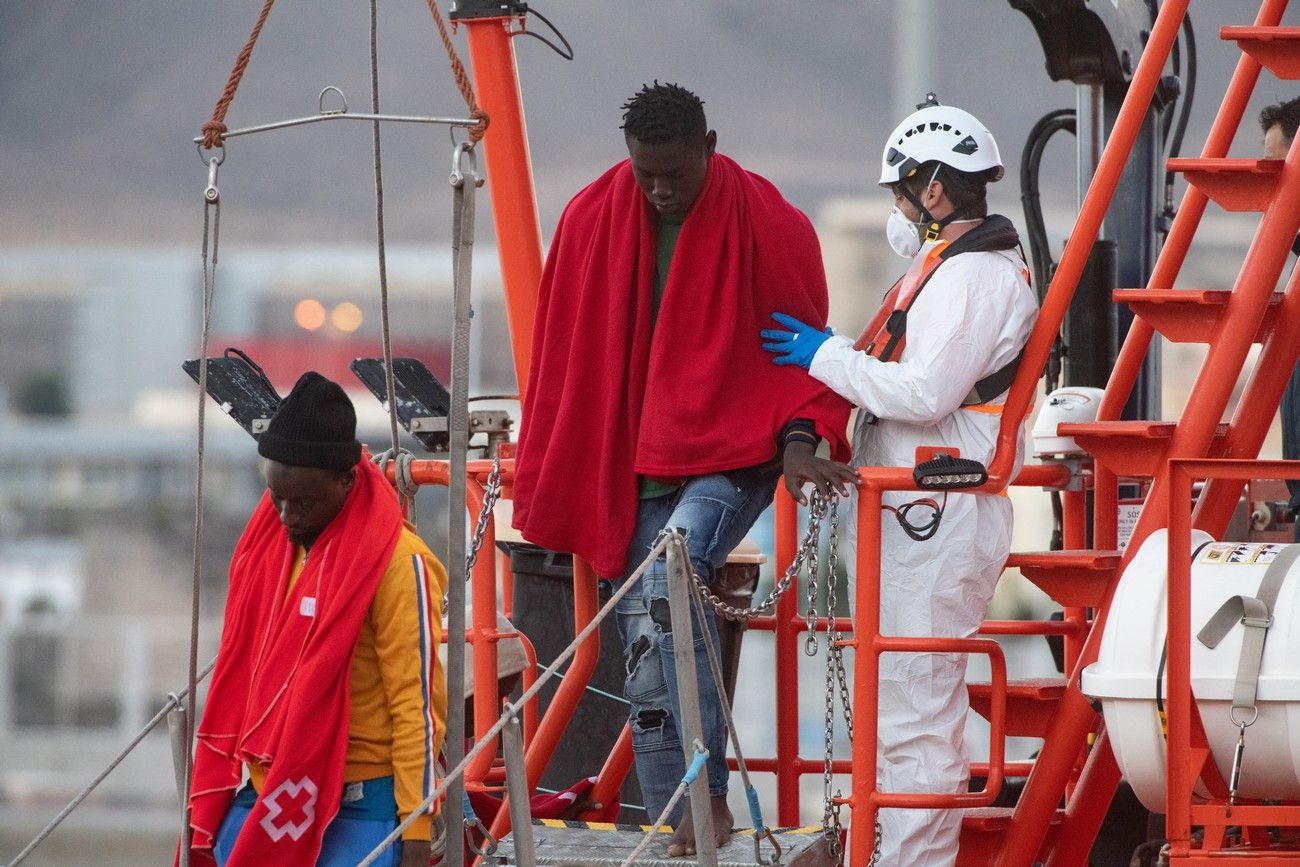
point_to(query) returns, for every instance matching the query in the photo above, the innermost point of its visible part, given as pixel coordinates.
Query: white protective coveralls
(971, 319)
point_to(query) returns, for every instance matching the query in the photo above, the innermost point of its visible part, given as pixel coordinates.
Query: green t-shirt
(670, 226)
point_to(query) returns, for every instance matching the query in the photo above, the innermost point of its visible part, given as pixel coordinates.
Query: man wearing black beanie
(328, 690)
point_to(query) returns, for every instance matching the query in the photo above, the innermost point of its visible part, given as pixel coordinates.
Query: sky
(99, 102)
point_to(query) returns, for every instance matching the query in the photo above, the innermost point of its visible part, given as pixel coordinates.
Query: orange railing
(1056, 763)
(1189, 758)
(542, 737)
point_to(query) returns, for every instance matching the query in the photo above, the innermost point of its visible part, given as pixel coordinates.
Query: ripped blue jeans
(715, 515)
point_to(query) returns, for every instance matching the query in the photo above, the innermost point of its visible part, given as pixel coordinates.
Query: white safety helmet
(943, 133)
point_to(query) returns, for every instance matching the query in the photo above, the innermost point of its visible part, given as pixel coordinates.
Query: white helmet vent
(941, 133)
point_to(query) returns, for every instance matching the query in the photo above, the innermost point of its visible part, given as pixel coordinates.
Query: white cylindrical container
(1124, 677)
(1071, 404)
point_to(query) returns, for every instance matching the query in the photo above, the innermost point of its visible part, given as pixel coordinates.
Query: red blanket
(607, 401)
(279, 694)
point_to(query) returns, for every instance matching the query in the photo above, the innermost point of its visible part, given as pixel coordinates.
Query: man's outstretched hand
(802, 466)
(797, 345)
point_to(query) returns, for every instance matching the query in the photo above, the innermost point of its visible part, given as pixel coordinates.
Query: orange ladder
(1072, 781)
(1069, 771)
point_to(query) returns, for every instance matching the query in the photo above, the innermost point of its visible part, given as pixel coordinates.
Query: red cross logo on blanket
(290, 809)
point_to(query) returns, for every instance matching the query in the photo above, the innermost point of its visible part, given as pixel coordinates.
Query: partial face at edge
(671, 174)
(306, 498)
(1275, 144)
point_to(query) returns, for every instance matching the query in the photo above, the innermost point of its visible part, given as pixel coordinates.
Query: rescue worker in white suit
(934, 375)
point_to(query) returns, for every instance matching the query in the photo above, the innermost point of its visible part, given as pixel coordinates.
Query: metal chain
(810, 616)
(816, 512)
(833, 632)
(830, 810)
(490, 496)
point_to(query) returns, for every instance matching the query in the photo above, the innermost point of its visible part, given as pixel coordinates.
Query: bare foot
(683, 842)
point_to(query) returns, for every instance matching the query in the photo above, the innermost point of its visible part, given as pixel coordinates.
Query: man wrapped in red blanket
(328, 691)
(652, 404)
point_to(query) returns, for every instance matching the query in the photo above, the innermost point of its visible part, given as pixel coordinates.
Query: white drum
(1124, 676)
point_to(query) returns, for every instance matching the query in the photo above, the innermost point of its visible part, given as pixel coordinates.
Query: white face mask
(904, 236)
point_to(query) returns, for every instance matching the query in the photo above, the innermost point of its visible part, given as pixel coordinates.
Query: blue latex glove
(798, 345)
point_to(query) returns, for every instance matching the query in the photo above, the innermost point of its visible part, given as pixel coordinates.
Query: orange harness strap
(885, 336)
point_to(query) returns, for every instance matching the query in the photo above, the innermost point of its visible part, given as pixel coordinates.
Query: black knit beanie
(315, 426)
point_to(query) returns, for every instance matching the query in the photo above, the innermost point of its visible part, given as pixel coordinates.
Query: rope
(517, 705)
(403, 479)
(215, 128)
(390, 388)
(697, 765)
(212, 228)
(54, 823)
(462, 78)
(751, 794)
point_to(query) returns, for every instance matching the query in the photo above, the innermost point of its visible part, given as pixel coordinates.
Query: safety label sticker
(1229, 553)
(1126, 517)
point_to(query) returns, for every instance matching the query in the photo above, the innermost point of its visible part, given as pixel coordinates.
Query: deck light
(945, 472)
(423, 403)
(240, 387)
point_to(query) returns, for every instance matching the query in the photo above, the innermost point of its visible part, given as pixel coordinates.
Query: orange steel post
(1105, 507)
(1186, 748)
(866, 799)
(483, 635)
(482, 632)
(530, 677)
(1074, 537)
(586, 602)
(1272, 369)
(1099, 771)
(787, 666)
(507, 585)
(866, 673)
(1178, 703)
(611, 777)
(510, 179)
(1033, 814)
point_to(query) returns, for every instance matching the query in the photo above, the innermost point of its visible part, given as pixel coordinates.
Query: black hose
(1030, 160)
(1185, 99)
(1040, 252)
(566, 52)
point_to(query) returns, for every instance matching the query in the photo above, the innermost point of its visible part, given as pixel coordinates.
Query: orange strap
(876, 338)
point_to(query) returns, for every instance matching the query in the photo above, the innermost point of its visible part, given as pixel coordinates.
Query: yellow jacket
(399, 690)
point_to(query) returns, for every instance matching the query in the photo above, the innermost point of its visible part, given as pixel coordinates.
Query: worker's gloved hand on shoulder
(796, 344)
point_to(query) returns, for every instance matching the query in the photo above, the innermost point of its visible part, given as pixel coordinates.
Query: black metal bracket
(1090, 42)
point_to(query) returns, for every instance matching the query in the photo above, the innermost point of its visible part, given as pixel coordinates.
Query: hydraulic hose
(1030, 161)
(1040, 253)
